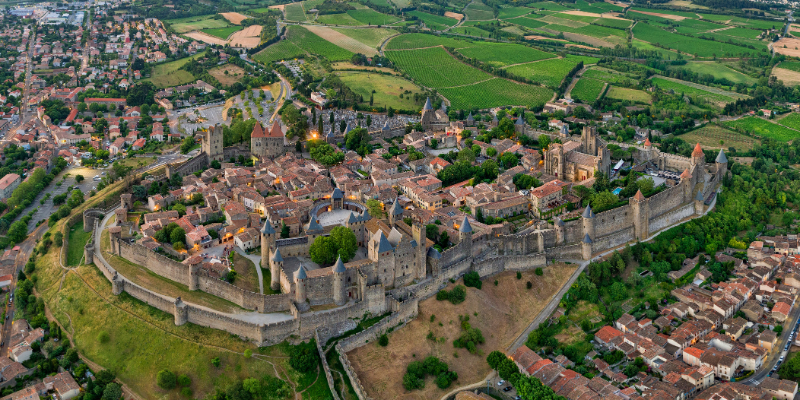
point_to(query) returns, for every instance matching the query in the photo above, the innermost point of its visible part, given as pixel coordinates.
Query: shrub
(529, 284)
(383, 340)
(519, 275)
(496, 282)
(473, 279)
(442, 295)
(186, 392)
(215, 362)
(539, 272)
(103, 337)
(248, 353)
(458, 294)
(184, 380)
(166, 379)
(304, 357)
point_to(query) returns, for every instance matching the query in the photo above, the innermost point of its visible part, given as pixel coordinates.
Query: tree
(495, 358)
(284, 231)
(375, 208)
(141, 93)
(618, 291)
(466, 155)
(604, 200)
(472, 279)
(531, 388)
(323, 251)
(187, 144)
(645, 184)
(17, 232)
(345, 241)
(178, 235)
(113, 391)
(383, 340)
(304, 357)
(507, 368)
(166, 379)
(544, 141)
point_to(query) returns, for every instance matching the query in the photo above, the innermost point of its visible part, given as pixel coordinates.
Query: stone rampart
(614, 220)
(567, 252)
(573, 231)
(180, 273)
(325, 367)
(665, 201)
(615, 239)
(236, 151)
(671, 217)
(193, 165)
(160, 302)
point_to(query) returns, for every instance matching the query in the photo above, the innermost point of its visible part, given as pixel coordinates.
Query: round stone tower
(339, 272)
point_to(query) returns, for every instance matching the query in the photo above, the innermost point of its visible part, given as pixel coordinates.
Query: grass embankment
(246, 275)
(77, 240)
(143, 340)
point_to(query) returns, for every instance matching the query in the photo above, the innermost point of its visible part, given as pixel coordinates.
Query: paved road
(777, 351)
(86, 186)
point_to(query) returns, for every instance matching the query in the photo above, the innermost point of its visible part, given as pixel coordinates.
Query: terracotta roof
(275, 131)
(698, 151)
(685, 174)
(607, 333)
(647, 142)
(258, 132)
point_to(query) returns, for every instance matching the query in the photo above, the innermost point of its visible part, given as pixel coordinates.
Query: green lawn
(719, 71)
(183, 25)
(77, 240)
(169, 74)
(223, 33)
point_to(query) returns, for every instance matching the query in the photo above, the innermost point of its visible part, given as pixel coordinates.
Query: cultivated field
(435, 68)
(501, 312)
(763, 128)
(369, 16)
(435, 22)
(283, 50)
(222, 33)
(233, 75)
(420, 40)
(302, 41)
(687, 44)
(789, 77)
(716, 137)
(234, 17)
(787, 46)
(387, 89)
(501, 54)
(713, 95)
(791, 120)
(184, 25)
(637, 96)
(344, 41)
(496, 92)
(547, 72)
(204, 37)
(587, 90)
(369, 37)
(248, 37)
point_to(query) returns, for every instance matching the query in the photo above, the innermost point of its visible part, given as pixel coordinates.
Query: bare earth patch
(580, 46)
(667, 16)
(792, 46)
(342, 40)
(503, 313)
(451, 14)
(248, 37)
(279, 7)
(234, 17)
(204, 37)
(234, 74)
(536, 37)
(789, 78)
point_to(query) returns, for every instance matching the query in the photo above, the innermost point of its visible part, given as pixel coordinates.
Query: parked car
(507, 389)
(501, 382)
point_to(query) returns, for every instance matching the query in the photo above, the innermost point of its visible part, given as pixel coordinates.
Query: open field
(763, 128)
(527, 22)
(336, 38)
(719, 71)
(548, 5)
(222, 33)
(233, 75)
(712, 95)
(457, 16)
(638, 96)
(477, 11)
(342, 19)
(471, 30)
(787, 46)
(369, 37)
(311, 43)
(344, 65)
(387, 89)
(496, 92)
(547, 72)
(606, 75)
(661, 15)
(234, 17)
(512, 12)
(435, 68)
(501, 312)
(501, 54)
(789, 77)
(170, 74)
(587, 90)
(711, 135)
(371, 17)
(184, 25)
(248, 37)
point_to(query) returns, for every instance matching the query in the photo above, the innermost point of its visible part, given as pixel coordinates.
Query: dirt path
(568, 92)
(385, 42)
(528, 62)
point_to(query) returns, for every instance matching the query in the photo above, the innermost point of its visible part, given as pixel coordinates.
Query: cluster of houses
(698, 346)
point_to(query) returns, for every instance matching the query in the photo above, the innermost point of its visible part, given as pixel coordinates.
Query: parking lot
(44, 210)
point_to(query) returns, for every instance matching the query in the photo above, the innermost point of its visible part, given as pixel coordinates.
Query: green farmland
(704, 92)
(688, 44)
(763, 128)
(501, 54)
(184, 25)
(435, 68)
(587, 90)
(547, 72)
(496, 92)
(420, 40)
(223, 33)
